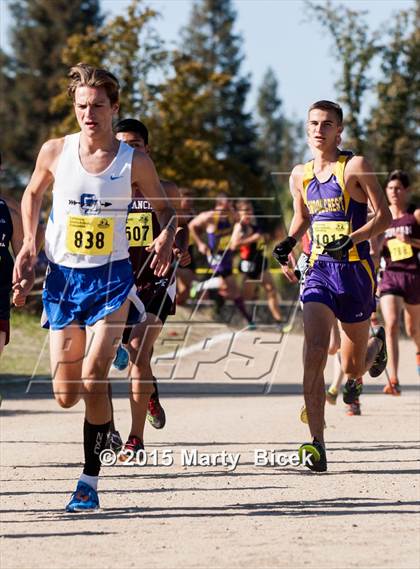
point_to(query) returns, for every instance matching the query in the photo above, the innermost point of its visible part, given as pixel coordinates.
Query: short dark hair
(186, 192)
(244, 202)
(328, 106)
(85, 75)
(133, 125)
(399, 175)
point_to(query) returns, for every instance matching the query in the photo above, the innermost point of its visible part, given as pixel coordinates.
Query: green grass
(27, 341)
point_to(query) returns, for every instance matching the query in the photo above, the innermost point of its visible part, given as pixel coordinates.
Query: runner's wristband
(282, 250)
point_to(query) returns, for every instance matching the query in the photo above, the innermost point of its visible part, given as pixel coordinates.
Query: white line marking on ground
(198, 346)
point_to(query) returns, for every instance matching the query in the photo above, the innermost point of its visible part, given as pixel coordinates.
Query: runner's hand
(19, 296)
(25, 262)
(184, 257)
(290, 274)
(22, 289)
(162, 247)
(204, 249)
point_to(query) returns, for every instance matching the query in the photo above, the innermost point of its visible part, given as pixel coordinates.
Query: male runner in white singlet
(89, 277)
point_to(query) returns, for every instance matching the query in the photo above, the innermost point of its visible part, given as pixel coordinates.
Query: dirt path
(363, 513)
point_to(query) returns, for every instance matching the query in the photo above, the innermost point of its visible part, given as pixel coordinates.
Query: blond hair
(84, 75)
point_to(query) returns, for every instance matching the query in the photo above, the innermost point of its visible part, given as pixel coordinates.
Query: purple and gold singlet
(332, 211)
(346, 287)
(221, 257)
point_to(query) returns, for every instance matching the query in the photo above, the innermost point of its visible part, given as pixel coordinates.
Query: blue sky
(276, 34)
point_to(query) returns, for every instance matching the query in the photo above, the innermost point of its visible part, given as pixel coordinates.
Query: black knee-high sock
(126, 335)
(94, 439)
(239, 302)
(112, 424)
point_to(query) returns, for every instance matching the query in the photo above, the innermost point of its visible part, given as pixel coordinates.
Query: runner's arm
(197, 225)
(17, 235)
(41, 179)
(298, 227)
(145, 176)
(236, 236)
(360, 168)
(182, 232)
(376, 244)
(407, 238)
(237, 241)
(251, 239)
(300, 221)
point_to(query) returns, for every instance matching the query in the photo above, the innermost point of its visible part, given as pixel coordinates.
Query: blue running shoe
(122, 357)
(85, 498)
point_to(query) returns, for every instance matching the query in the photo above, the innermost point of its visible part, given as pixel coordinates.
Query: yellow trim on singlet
(308, 175)
(369, 272)
(353, 253)
(338, 172)
(225, 230)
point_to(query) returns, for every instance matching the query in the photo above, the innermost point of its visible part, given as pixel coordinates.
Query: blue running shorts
(85, 295)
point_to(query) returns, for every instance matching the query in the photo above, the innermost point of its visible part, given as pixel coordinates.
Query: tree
(127, 45)
(184, 148)
(393, 126)
(271, 124)
(279, 142)
(354, 46)
(209, 39)
(39, 32)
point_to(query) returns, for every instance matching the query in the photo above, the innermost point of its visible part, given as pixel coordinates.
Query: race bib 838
(89, 235)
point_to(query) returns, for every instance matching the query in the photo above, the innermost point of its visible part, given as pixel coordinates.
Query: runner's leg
(333, 350)
(141, 344)
(2, 344)
(103, 339)
(2, 341)
(273, 297)
(317, 321)
(391, 306)
(67, 350)
(234, 294)
(248, 288)
(412, 326)
(358, 351)
(184, 279)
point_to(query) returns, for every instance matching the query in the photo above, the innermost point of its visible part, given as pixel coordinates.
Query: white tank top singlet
(86, 227)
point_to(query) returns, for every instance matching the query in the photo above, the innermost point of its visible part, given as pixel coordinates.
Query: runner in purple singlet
(218, 224)
(331, 193)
